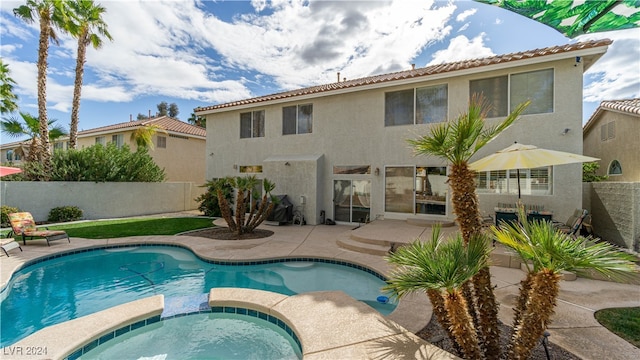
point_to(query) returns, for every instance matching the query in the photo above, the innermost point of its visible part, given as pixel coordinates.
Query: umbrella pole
(518, 174)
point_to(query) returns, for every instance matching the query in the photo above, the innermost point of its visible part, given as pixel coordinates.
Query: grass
(624, 322)
(132, 227)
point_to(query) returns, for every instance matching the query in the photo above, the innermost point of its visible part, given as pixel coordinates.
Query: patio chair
(573, 224)
(22, 224)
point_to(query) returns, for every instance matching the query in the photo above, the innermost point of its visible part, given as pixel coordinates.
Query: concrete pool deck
(574, 326)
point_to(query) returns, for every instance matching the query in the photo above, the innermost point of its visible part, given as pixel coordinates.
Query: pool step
(366, 246)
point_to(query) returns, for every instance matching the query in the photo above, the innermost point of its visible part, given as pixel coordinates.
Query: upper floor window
(161, 142)
(9, 155)
(118, 139)
(608, 131)
(504, 93)
(297, 119)
(252, 124)
(615, 168)
(416, 106)
(101, 140)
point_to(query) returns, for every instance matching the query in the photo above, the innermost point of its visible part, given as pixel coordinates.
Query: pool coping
(328, 324)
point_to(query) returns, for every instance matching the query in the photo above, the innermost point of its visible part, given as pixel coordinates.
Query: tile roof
(629, 106)
(167, 123)
(418, 72)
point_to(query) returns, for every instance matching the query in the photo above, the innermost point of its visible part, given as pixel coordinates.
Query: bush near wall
(4, 216)
(64, 214)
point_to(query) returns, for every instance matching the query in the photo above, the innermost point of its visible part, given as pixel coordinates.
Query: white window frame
(419, 110)
(300, 127)
(506, 182)
(256, 124)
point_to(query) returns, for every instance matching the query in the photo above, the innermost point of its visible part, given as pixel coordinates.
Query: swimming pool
(70, 286)
(199, 336)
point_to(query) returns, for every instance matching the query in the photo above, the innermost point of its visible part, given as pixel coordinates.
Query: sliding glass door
(352, 200)
(416, 190)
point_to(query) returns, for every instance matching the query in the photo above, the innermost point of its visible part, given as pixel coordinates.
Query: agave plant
(547, 252)
(440, 267)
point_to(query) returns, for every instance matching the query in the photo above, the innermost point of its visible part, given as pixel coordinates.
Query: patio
(574, 326)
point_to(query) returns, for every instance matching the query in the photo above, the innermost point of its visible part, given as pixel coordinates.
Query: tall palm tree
(50, 14)
(8, 103)
(441, 267)
(143, 136)
(547, 252)
(457, 141)
(30, 126)
(90, 29)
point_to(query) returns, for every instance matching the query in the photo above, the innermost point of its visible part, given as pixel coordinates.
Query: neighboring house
(341, 148)
(612, 134)
(179, 147)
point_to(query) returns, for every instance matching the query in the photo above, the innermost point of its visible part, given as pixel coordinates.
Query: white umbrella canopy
(520, 156)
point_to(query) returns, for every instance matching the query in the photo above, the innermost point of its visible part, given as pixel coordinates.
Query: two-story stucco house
(340, 149)
(611, 134)
(179, 147)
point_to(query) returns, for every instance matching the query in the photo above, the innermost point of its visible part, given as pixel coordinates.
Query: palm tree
(441, 268)
(143, 136)
(8, 103)
(457, 141)
(89, 28)
(50, 13)
(547, 252)
(30, 126)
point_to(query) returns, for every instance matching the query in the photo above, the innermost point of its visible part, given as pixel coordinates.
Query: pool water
(72, 286)
(200, 336)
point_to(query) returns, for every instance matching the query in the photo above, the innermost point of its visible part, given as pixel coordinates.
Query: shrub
(64, 214)
(5, 211)
(209, 200)
(106, 164)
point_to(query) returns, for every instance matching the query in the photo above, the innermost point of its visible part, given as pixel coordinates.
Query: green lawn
(132, 227)
(624, 322)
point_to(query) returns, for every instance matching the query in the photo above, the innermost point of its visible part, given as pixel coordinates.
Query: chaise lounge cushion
(23, 225)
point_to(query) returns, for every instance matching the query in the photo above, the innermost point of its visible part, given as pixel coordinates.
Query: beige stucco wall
(615, 211)
(624, 147)
(100, 200)
(348, 129)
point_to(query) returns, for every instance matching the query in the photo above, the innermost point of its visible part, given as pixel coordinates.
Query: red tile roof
(167, 123)
(415, 73)
(629, 106)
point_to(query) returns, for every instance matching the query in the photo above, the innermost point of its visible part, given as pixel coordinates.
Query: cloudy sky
(200, 53)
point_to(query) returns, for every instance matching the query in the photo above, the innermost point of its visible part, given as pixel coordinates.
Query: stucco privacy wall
(615, 211)
(100, 200)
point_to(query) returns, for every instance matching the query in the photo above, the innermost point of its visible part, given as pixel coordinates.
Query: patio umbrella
(520, 156)
(5, 170)
(573, 18)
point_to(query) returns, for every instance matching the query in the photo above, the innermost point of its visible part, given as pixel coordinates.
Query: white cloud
(461, 48)
(617, 74)
(462, 17)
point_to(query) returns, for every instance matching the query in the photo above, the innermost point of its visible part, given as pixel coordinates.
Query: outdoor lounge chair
(573, 225)
(22, 224)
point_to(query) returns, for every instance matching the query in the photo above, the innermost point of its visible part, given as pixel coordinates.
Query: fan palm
(30, 126)
(457, 141)
(440, 268)
(8, 103)
(89, 28)
(143, 135)
(50, 14)
(547, 252)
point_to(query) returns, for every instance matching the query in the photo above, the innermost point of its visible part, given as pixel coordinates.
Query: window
(297, 119)
(57, 146)
(101, 140)
(251, 169)
(615, 168)
(252, 124)
(10, 155)
(431, 105)
(118, 140)
(352, 169)
(532, 181)
(608, 131)
(504, 93)
(162, 142)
